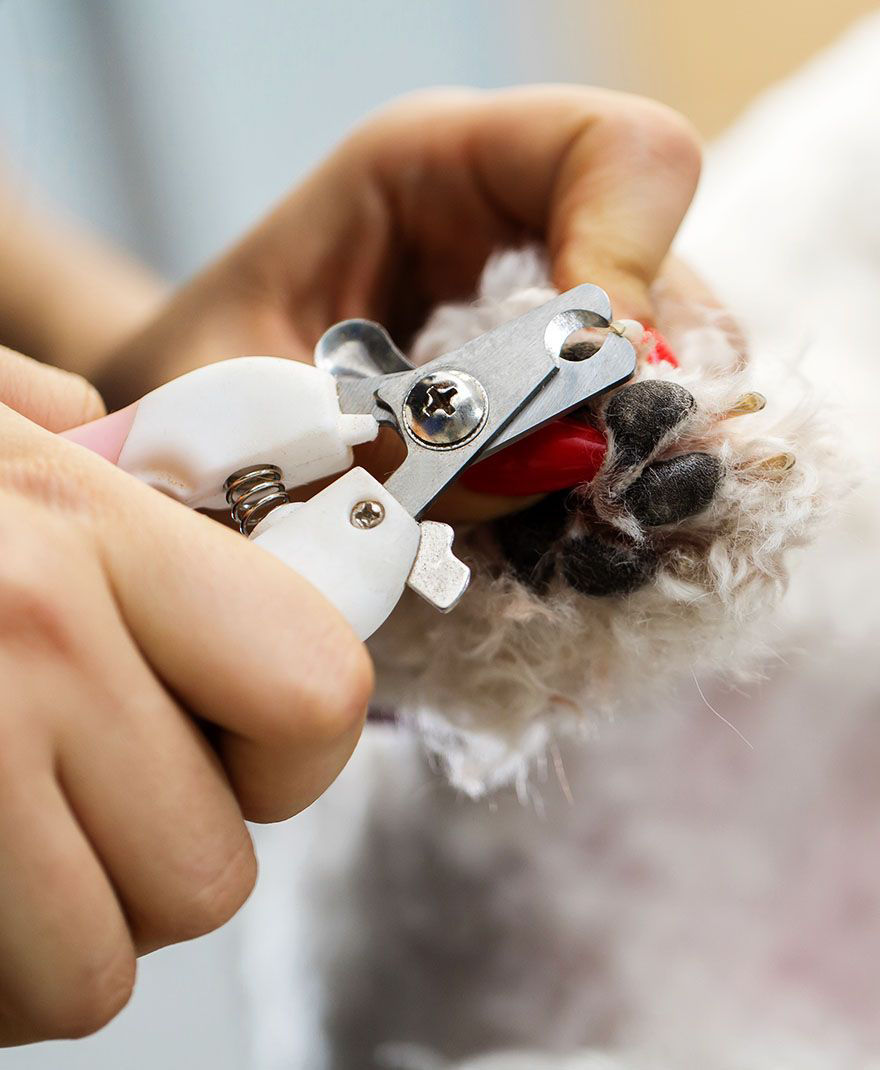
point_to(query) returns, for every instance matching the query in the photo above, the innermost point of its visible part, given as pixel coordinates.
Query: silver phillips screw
(367, 514)
(445, 409)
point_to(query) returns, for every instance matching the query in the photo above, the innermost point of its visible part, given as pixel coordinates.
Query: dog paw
(600, 540)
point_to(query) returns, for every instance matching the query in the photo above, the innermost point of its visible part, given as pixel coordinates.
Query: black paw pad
(593, 566)
(526, 538)
(641, 415)
(670, 491)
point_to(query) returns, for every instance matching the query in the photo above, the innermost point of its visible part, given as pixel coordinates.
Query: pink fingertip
(105, 436)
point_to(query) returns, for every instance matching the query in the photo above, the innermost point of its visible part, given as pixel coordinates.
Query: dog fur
(489, 685)
(696, 886)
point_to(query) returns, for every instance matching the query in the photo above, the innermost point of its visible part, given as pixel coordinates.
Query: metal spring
(253, 493)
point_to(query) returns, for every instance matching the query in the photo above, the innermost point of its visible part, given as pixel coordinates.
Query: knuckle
(97, 994)
(671, 138)
(216, 893)
(419, 106)
(321, 703)
(35, 475)
(338, 700)
(649, 135)
(433, 99)
(262, 805)
(32, 608)
(52, 397)
(91, 404)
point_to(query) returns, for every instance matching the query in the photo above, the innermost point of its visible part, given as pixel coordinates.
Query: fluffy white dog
(698, 883)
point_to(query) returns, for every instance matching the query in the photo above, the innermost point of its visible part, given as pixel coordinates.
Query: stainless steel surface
(443, 410)
(574, 384)
(359, 349)
(367, 514)
(520, 366)
(253, 493)
(437, 574)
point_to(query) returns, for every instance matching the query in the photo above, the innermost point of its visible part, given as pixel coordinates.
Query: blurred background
(171, 125)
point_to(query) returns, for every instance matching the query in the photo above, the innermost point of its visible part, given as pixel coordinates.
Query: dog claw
(777, 464)
(745, 405)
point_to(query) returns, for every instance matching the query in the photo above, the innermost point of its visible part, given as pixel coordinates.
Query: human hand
(404, 214)
(163, 680)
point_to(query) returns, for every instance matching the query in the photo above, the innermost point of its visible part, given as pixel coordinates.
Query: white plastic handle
(361, 570)
(188, 436)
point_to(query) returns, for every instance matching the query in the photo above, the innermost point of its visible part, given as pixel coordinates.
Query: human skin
(67, 297)
(132, 744)
(403, 216)
(163, 679)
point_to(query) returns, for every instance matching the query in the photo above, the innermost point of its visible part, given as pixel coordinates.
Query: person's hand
(404, 214)
(163, 679)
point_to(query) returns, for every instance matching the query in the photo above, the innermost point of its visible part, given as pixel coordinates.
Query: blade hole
(583, 343)
(575, 335)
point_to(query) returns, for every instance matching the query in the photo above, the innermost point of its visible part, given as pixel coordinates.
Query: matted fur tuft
(488, 685)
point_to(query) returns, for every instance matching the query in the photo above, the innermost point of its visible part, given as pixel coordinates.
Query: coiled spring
(253, 493)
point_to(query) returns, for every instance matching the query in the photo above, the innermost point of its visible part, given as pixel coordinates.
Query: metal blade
(573, 385)
(507, 383)
(359, 349)
(517, 365)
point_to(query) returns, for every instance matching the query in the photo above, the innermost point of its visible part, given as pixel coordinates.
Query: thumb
(623, 188)
(50, 397)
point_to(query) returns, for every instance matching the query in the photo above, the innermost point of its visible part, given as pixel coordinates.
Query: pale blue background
(172, 124)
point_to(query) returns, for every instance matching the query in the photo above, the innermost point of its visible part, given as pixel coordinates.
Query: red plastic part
(558, 455)
(660, 349)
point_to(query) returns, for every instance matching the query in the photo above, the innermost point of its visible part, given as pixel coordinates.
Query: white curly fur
(488, 685)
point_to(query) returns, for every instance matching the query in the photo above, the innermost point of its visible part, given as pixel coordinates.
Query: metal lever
(437, 574)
